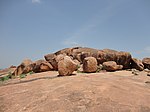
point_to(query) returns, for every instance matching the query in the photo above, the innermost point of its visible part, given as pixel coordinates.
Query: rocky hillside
(96, 81)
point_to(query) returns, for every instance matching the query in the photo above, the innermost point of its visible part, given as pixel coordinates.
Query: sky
(29, 29)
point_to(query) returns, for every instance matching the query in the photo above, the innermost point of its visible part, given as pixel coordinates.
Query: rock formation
(115, 60)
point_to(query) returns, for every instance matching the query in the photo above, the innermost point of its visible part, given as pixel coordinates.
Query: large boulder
(111, 66)
(42, 66)
(66, 66)
(20, 69)
(121, 58)
(48, 57)
(26, 62)
(89, 64)
(137, 64)
(29, 68)
(60, 57)
(146, 63)
(80, 53)
(51, 58)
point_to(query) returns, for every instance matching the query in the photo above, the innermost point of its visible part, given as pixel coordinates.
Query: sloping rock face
(146, 62)
(101, 92)
(111, 66)
(66, 66)
(137, 64)
(90, 64)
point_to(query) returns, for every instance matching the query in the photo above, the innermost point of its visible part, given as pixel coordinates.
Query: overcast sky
(33, 28)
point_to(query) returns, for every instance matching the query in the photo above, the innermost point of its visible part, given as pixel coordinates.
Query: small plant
(23, 76)
(99, 68)
(7, 77)
(78, 71)
(31, 72)
(4, 78)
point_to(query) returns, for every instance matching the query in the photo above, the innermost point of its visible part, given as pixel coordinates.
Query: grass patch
(10, 76)
(4, 78)
(7, 77)
(23, 76)
(31, 73)
(79, 71)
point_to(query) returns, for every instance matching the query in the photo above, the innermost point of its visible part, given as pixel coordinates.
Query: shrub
(23, 76)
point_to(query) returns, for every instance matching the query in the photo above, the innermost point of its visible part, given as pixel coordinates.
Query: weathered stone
(66, 66)
(26, 62)
(85, 55)
(89, 65)
(20, 69)
(146, 63)
(51, 58)
(42, 66)
(29, 68)
(60, 57)
(137, 64)
(80, 53)
(121, 58)
(77, 62)
(66, 51)
(111, 66)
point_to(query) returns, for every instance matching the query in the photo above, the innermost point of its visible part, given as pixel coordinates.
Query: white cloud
(36, 1)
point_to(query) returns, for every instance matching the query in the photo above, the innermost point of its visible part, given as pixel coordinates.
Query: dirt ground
(119, 91)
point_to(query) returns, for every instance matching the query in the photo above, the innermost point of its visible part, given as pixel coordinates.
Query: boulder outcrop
(79, 53)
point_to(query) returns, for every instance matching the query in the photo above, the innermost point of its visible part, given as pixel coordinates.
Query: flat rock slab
(97, 92)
